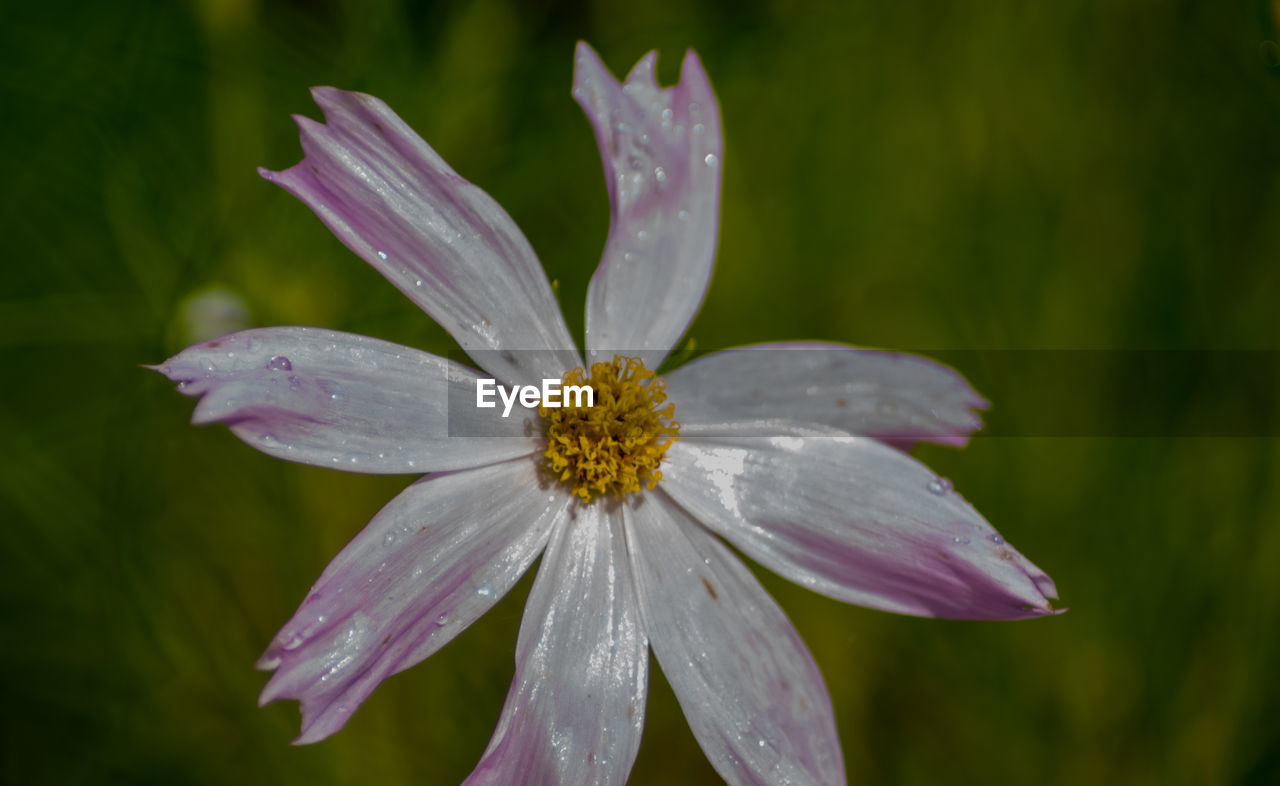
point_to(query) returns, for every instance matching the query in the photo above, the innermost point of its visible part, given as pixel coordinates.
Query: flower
(789, 452)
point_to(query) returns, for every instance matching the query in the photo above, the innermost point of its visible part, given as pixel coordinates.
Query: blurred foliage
(1101, 174)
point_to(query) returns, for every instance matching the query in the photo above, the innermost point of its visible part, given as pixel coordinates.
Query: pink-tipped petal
(345, 401)
(441, 240)
(859, 521)
(662, 152)
(429, 564)
(791, 389)
(747, 684)
(576, 707)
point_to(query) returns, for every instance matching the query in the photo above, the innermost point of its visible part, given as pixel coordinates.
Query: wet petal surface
(662, 153)
(859, 521)
(746, 682)
(441, 240)
(430, 563)
(349, 402)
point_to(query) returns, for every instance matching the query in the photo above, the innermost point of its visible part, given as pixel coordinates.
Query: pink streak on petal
(429, 564)
(858, 521)
(441, 240)
(792, 388)
(663, 153)
(747, 684)
(576, 706)
(343, 401)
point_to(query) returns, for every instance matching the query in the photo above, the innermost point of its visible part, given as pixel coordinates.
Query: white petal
(441, 240)
(852, 518)
(663, 154)
(429, 564)
(345, 401)
(789, 389)
(576, 707)
(748, 686)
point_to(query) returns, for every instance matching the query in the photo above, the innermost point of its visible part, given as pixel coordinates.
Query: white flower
(783, 451)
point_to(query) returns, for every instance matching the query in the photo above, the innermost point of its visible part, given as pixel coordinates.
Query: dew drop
(711, 159)
(484, 591)
(294, 642)
(995, 538)
(661, 174)
(939, 486)
(698, 128)
(683, 215)
(667, 114)
(280, 363)
(382, 255)
(634, 162)
(442, 620)
(417, 282)
(389, 538)
(961, 541)
(209, 365)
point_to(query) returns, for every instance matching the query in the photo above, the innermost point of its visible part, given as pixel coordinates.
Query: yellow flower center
(617, 444)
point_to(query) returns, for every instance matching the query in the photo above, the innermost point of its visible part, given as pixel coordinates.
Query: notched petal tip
(644, 72)
(692, 72)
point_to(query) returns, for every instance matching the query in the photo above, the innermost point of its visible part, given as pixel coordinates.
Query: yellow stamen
(617, 444)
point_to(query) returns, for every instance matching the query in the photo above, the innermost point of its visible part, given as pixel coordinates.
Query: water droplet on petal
(961, 541)
(389, 538)
(382, 255)
(995, 538)
(711, 159)
(661, 174)
(939, 486)
(683, 215)
(484, 591)
(280, 363)
(442, 620)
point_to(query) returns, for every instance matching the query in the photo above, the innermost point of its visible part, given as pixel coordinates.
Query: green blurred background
(1100, 174)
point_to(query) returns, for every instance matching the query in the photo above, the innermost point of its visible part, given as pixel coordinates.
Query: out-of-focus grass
(1005, 175)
